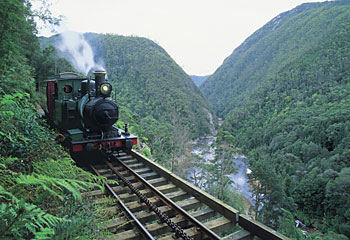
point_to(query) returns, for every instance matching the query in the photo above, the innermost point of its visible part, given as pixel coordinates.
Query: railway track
(153, 203)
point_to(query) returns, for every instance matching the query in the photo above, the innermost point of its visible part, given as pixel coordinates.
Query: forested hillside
(165, 105)
(156, 96)
(295, 125)
(152, 85)
(39, 184)
(268, 50)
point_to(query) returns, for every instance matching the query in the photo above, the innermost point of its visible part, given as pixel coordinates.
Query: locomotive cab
(62, 96)
(83, 111)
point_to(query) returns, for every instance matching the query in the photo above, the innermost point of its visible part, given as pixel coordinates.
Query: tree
(51, 64)
(337, 202)
(19, 47)
(16, 26)
(287, 226)
(219, 170)
(198, 174)
(179, 140)
(268, 191)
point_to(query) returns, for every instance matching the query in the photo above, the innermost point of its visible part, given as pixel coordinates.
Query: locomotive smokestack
(99, 79)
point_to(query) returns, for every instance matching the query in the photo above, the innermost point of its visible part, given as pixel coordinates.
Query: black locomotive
(81, 108)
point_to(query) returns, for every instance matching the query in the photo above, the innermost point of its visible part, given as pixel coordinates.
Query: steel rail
(144, 232)
(256, 228)
(209, 233)
(179, 232)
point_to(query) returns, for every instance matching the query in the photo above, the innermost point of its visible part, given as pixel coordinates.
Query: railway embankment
(147, 192)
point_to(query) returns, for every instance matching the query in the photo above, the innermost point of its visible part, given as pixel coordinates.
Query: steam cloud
(79, 52)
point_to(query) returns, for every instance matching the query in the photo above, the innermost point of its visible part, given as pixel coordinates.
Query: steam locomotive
(82, 110)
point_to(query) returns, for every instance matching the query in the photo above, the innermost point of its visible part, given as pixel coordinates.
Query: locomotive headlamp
(106, 89)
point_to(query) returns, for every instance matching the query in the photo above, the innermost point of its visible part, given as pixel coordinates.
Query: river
(204, 149)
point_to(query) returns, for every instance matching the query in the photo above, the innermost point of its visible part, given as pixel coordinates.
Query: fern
(67, 230)
(20, 220)
(55, 186)
(66, 169)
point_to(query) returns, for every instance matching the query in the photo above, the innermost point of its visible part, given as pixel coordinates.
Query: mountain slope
(295, 128)
(152, 84)
(198, 80)
(156, 97)
(279, 42)
(148, 81)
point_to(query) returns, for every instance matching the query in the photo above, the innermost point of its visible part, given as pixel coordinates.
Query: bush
(39, 177)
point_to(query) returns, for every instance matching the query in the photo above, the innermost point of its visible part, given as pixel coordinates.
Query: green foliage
(334, 236)
(279, 42)
(36, 174)
(146, 152)
(23, 134)
(268, 195)
(213, 176)
(225, 137)
(21, 220)
(54, 186)
(82, 224)
(156, 97)
(197, 165)
(287, 227)
(18, 45)
(337, 202)
(75, 228)
(51, 64)
(218, 172)
(31, 162)
(295, 125)
(151, 84)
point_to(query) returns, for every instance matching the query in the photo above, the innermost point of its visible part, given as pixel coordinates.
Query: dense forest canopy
(285, 97)
(150, 83)
(264, 53)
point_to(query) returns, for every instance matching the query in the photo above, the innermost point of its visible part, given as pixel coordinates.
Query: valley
(275, 114)
(283, 96)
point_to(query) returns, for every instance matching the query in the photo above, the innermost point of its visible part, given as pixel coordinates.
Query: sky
(197, 34)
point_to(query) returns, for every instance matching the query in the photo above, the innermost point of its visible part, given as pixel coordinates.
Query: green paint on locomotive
(75, 134)
(67, 97)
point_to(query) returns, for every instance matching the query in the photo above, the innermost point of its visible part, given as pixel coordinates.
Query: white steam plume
(78, 51)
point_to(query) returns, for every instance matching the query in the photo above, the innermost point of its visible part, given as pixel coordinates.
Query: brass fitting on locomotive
(102, 87)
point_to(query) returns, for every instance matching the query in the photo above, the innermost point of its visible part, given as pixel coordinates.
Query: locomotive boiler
(83, 111)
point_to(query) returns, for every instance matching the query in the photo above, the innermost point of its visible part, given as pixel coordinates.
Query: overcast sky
(198, 34)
